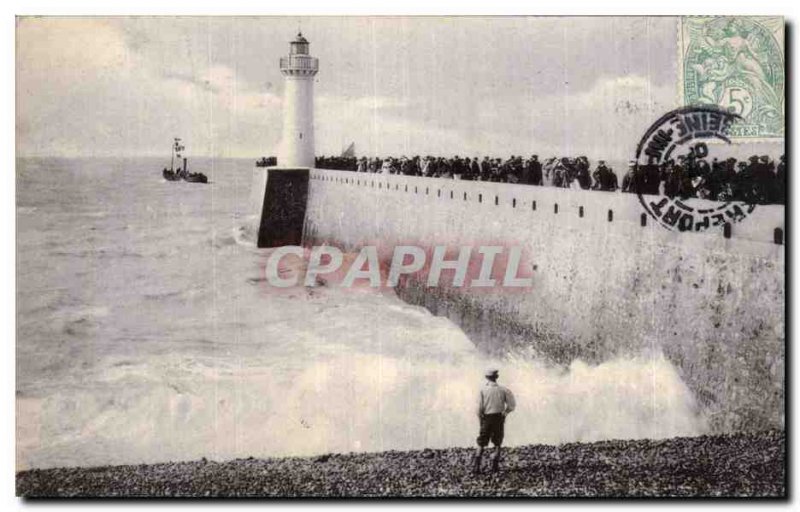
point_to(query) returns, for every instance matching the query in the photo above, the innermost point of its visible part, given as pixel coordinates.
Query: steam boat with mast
(182, 173)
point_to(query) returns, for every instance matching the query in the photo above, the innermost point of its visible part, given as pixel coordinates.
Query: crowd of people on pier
(267, 161)
(759, 180)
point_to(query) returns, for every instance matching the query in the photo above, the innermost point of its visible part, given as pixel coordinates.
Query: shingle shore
(744, 464)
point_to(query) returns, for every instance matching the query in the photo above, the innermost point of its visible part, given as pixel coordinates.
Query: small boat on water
(195, 177)
(181, 173)
(170, 175)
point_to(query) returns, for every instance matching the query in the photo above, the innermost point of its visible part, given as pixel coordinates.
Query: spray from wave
(180, 353)
(351, 372)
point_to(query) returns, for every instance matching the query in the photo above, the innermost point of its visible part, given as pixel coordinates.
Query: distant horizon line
(542, 156)
(132, 155)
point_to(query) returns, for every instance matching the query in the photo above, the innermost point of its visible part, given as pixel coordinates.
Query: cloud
(69, 46)
(83, 91)
(604, 121)
(114, 86)
(379, 103)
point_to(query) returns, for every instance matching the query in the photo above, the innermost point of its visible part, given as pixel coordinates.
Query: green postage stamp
(736, 63)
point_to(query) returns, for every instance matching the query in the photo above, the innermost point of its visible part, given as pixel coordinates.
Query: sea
(146, 332)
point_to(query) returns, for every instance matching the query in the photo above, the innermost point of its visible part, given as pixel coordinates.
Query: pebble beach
(737, 465)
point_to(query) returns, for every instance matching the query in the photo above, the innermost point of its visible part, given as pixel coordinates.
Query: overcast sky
(459, 85)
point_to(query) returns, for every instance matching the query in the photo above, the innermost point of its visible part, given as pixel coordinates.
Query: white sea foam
(186, 353)
(342, 400)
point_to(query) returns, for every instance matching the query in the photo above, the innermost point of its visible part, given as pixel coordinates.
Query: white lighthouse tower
(299, 70)
(279, 194)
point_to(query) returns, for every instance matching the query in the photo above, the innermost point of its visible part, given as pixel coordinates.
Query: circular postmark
(672, 164)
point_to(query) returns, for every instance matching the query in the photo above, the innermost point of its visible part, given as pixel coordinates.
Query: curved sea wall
(607, 281)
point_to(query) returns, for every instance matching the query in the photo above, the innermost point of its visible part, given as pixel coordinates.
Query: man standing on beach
(494, 404)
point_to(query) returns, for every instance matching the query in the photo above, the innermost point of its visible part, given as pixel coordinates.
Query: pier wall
(605, 282)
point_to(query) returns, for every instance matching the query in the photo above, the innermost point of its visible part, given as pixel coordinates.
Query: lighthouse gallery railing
(299, 62)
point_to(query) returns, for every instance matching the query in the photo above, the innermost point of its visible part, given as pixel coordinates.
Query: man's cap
(492, 372)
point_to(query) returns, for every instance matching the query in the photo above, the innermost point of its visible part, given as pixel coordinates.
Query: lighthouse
(279, 194)
(298, 69)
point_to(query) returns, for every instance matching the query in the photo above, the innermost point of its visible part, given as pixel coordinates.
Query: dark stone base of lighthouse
(283, 207)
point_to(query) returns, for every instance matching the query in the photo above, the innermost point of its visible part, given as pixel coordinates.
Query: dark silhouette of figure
(495, 402)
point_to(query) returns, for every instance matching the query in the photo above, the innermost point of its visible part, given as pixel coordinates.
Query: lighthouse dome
(299, 46)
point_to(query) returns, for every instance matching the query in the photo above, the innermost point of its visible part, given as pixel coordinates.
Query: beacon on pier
(299, 69)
